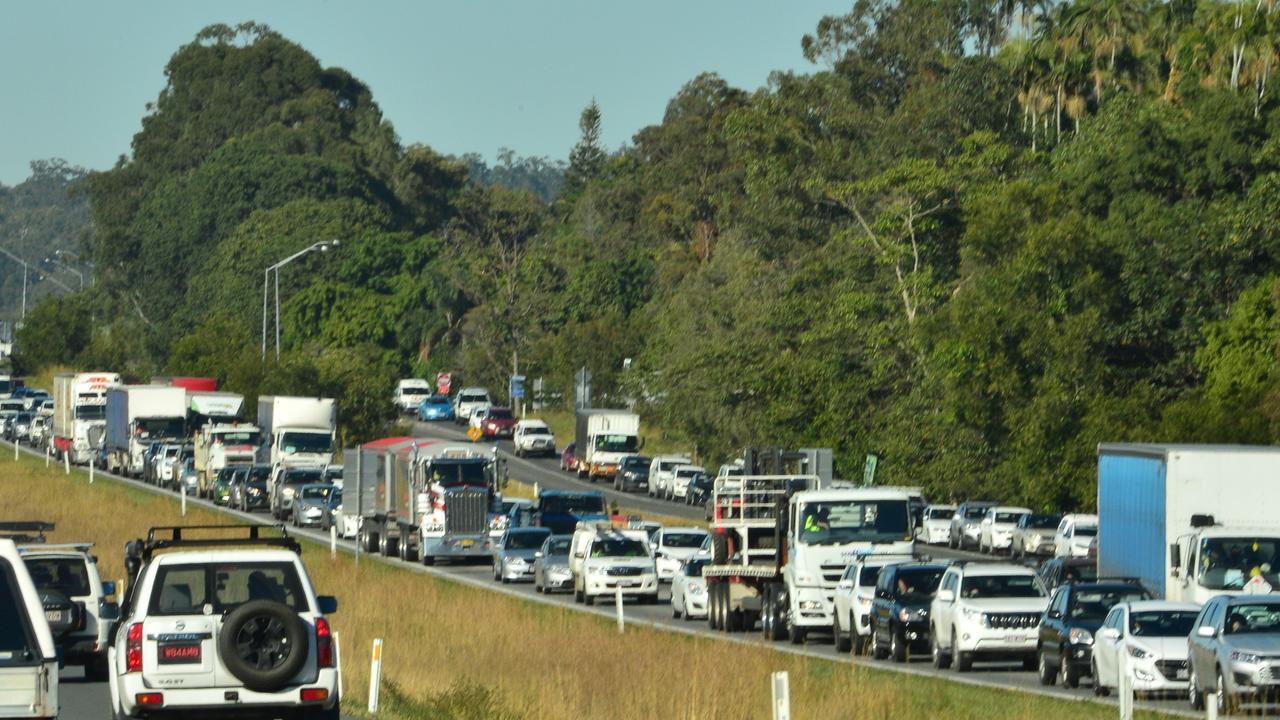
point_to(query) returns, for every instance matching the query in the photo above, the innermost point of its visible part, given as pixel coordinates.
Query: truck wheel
(766, 613)
(371, 542)
(389, 546)
(719, 549)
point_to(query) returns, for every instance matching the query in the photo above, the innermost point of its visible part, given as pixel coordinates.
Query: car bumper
(936, 536)
(996, 642)
(435, 415)
(604, 470)
(213, 701)
(667, 568)
(557, 581)
(814, 607)
(517, 573)
(630, 585)
(1146, 677)
(695, 606)
(1001, 542)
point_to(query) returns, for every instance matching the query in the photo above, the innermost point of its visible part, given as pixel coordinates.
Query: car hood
(681, 553)
(999, 604)
(555, 560)
(1261, 644)
(522, 553)
(1165, 648)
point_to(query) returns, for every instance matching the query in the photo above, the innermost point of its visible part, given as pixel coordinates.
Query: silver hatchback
(1235, 651)
(514, 554)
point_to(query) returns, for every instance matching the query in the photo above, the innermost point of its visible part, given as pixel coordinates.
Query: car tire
(963, 661)
(1099, 689)
(877, 651)
(842, 640)
(1045, 673)
(940, 659)
(1225, 700)
(897, 646)
(268, 625)
(1069, 674)
(1194, 696)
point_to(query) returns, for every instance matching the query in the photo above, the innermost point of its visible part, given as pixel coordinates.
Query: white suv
(604, 560)
(660, 472)
(986, 609)
(67, 575)
(468, 401)
(222, 620)
(851, 620)
(28, 657)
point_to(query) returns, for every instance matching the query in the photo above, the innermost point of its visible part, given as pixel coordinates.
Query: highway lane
(990, 675)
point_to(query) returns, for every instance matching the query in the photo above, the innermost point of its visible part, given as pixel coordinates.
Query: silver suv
(1235, 651)
(222, 620)
(76, 602)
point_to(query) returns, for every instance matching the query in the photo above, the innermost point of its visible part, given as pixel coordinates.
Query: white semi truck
(602, 439)
(80, 412)
(779, 549)
(218, 436)
(297, 431)
(138, 415)
(1190, 521)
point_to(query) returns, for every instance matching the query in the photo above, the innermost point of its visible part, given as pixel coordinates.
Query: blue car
(435, 407)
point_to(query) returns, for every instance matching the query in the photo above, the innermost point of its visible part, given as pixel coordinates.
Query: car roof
(698, 468)
(666, 530)
(1081, 517)
(1011, 508)
(1103, 585)
(940, 506)
(1251, 599)
(223, 556)
(995, 569)
(1160, 605)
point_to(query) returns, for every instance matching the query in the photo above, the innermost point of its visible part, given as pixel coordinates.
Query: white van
(409, 393)
(28, 657)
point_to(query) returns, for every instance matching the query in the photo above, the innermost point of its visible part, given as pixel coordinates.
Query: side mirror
(946, 596)
(109, 611)
(579, 555)
(1206, 631)
(1175, 557)
(538, 554)
(1053, 615)
(327, 604)
(109, 587)
(1109, 634)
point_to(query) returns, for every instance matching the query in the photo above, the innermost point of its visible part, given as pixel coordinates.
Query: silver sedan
(551, 565)
(515, 553)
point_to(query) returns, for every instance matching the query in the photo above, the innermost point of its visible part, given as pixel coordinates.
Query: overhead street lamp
(58, 259)
(322, 246)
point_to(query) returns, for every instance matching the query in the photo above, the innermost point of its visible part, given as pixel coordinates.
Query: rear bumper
(214, 702)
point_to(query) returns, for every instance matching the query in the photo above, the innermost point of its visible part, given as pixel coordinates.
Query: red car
(568, 460)
(498, 422)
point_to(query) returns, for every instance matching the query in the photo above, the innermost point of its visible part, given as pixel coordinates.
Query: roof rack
(20, 531)
(169, 537)
(79, 547)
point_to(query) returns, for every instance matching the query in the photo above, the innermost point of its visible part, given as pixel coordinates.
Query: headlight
(696, 590)
(1247, 658)
(1138, 653)
(518, 561)
(1080, 636)
(905, 615)
(971, 613)
(287, 492)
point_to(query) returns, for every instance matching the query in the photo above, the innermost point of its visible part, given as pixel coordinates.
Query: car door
(1201, 650)
(940, 610)
(882, 606)
(844, 598)
(1106, 649)
(1052, 634)
(28, 671)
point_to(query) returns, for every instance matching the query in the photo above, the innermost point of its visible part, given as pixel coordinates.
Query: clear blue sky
(459, 76)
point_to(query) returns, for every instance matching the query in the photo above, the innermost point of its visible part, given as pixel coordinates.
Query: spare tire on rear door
(264, 644)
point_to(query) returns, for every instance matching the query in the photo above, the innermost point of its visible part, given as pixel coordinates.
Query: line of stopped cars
(213, 621)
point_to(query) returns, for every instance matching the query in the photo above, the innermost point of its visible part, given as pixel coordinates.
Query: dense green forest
(978, 238)
(44, 223)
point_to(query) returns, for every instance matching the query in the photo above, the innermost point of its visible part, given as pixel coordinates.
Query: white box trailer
(79, 413)
(1189, 521)
(297, 430)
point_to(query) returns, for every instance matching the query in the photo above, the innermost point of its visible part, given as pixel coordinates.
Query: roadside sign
(869, 469)
(443, 381)
(517, 387)
(1257, 585)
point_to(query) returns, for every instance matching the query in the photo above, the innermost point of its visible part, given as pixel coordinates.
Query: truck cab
(1216, 561)
(602, 439)
(220, 445)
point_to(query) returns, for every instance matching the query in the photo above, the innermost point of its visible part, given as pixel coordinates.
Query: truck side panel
(1132, 540)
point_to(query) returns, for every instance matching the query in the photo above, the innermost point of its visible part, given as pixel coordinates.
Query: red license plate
(178, 654)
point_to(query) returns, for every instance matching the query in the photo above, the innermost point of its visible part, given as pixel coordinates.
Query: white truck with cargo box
(1190, 521)
(424, 499)
(138, 415)
(297, 430)
(602, 439)
(79, 413)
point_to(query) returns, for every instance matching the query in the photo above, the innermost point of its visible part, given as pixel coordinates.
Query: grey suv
(1235, 651)
(966, 524)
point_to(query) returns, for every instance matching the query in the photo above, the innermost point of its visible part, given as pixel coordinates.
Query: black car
(148, 462)
(1075, 612)
(248, 494)
(899, 615)
(1062, 570)
(633, 474)
(699, 489)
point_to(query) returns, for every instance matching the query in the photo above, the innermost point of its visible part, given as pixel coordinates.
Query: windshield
(941, 514)
(414, 391)
(975, 513)
(316, 493)
(1007, 517)
(526, 540)
(91, 412)
(667, 465)
(870, 575)
(693, 568)
(238, 437)
(260, 472)
(473, 398)
(1086, 530)
(636, 463)
(683, 540)
(1228, 563)
(916, 587)
(1252, 618)
(1079, 572)
(437, 400)
(688, 472)
(1043, 522)
(559, 546)
(619, 547)
(536, 430)
(456, 472)
(572, 504)
(842, 521)
(500, 415)
(306, 442)
(146, 428)
(294, 477)
(1095, 604)
(66, 575)
(617, 443)
(998, 586)
(1163, 623)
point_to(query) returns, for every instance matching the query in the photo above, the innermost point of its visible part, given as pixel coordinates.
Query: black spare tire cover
(263, 644)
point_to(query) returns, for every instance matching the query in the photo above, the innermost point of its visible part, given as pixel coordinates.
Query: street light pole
(322, 246)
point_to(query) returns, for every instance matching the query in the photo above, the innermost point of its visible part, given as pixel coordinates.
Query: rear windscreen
(186, 589)
(66, 575)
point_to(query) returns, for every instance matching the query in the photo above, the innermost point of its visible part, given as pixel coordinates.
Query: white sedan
(689, 590)
(673, 546)
(935, 524)
(1147, 638)
(680, 479)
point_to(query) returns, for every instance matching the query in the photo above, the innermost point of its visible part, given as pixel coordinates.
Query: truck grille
(466, 510)
(625, 571)
(1170, 668)
(1011, 621)
(832, 573)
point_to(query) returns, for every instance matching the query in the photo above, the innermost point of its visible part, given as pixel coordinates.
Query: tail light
(133, 649)
(324, 643)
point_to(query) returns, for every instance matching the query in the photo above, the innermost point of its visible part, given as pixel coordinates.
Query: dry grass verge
(457, 651)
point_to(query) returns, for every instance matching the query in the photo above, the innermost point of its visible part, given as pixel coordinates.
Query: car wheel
(897, 647)
(940, 659)
(1226, 702)
(878, 652)
(1043, 671)
(858, 642)
(263, 644)
(842, 640)
(1070, 675)
(1099, 689)
(1194, 696)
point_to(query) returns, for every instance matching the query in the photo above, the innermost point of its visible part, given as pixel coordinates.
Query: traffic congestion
(1166, 591)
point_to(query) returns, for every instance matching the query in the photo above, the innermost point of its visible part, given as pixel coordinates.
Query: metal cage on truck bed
(749, 517)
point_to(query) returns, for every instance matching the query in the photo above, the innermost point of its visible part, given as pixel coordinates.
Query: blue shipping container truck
(1174, 516)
